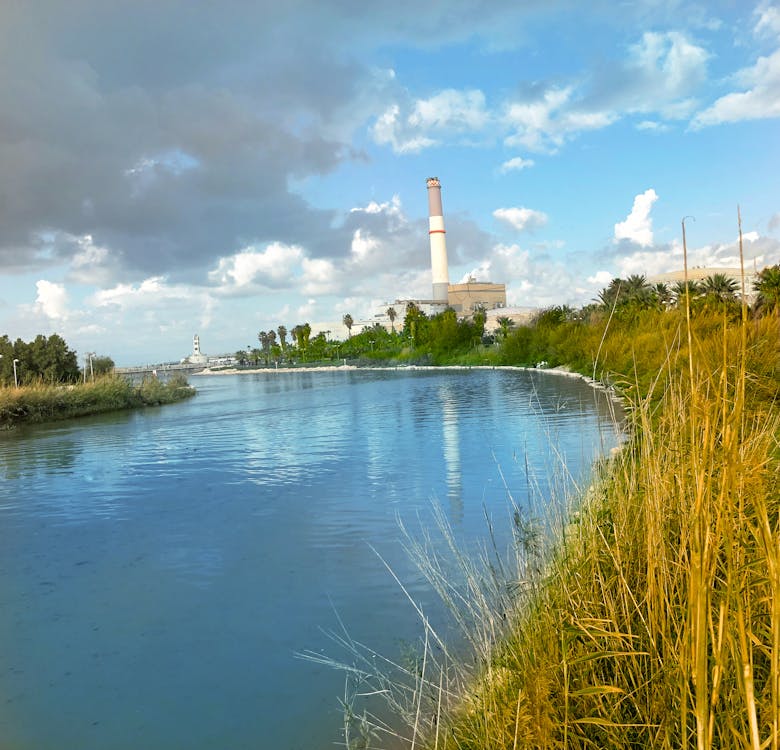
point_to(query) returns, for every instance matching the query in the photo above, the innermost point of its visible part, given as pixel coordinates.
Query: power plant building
(474, 295)
(465, 298)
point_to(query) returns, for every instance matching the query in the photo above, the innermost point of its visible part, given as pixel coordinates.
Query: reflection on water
(159, 569)
(451, 450)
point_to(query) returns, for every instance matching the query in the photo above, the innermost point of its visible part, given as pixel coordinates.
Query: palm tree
(679, 289)
(663, 294)
(296, 334)
(609, 295)
(348, 322)
(392, 314)
(719, 288)
(505, 324)
(767, 284)
(282, 331)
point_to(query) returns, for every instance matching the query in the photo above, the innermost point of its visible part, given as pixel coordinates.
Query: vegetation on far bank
(558, 335)
(42, 402)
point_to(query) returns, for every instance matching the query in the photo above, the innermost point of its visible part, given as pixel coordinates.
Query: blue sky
(222, 168)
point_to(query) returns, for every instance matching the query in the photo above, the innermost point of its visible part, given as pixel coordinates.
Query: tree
(296, 334)
(663, 294)
(392, 314)
(610, 295)
(479, 318)
(282, 331)
(719, 288)
(679, 290)
(504, 325)
(348, 322)
(414, 320)
(102, 365)
(767, 284)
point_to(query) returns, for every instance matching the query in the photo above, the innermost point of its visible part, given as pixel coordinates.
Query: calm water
(159, 570)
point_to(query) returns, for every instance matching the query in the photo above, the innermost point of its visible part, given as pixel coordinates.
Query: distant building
(468, 297)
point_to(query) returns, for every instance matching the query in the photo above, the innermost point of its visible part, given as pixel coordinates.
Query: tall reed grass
(45, 402)
(653, 619)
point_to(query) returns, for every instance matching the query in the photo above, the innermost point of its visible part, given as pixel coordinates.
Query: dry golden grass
(657, 620)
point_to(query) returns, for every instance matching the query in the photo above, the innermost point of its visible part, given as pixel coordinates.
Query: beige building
(468, 297)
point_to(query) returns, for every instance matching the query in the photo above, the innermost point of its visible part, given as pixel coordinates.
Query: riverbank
(48, 403)
(653, 620)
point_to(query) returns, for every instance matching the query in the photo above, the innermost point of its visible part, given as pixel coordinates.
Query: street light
(16, 380)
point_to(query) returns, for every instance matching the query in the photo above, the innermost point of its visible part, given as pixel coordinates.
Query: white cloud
(448, 114)
(665, 69)
(150, 292)
(533, 121)
(389, 130)
(516, 164)
(273, 267)
(768, 21)
(652, 126)
(638, 226)
(759, 100)
(600, 277)
(364, 246)
(51, 300)
(461, 111)
(92, 264)
(320, 276)
(521, 219)
(391, 207)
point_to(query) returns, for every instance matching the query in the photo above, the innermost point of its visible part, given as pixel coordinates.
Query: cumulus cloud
(522, 219)
(155, 288)
(659, 74)
(252, 269)
(638, 226)
(51, 300)
(516, 164)
(448, 114)
(760, 98)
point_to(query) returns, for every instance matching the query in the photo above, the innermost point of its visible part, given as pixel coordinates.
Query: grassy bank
(654, 619)
(46, 403)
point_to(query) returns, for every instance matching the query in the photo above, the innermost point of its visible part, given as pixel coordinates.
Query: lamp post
(16, 379)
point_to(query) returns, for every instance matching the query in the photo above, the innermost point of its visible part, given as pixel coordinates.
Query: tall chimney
(441, 279)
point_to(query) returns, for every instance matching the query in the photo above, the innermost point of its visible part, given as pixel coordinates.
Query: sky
(172, 167)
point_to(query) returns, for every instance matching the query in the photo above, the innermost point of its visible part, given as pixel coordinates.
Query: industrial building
(464, 298)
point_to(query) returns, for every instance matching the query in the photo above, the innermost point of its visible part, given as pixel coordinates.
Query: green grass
(46, 403)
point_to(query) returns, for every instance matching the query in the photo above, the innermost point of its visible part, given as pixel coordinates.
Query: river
(160, 570)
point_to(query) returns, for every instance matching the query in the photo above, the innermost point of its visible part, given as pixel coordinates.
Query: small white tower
(197, 357)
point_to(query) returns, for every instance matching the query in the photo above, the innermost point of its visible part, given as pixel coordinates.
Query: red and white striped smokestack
(441, 278)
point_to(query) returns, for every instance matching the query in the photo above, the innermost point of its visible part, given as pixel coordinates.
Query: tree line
(445, 338)
(46, 359)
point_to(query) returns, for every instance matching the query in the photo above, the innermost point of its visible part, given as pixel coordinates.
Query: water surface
(160, 569)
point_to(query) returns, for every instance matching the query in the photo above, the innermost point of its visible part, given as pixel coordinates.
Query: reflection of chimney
(441, 279)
